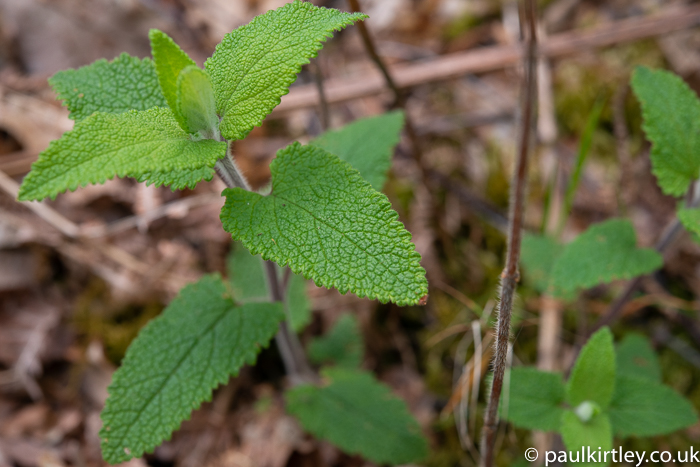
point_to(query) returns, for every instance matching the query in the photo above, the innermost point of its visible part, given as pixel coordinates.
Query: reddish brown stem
(510, 275)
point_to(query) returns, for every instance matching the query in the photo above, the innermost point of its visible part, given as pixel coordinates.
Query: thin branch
(324, 113)
(399, 96)
(510, 275)
(372, 51)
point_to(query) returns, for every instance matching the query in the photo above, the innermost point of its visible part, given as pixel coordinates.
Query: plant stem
(228, 171)
(295, 363)
(298, 368)
(324, 113)
(510, 275)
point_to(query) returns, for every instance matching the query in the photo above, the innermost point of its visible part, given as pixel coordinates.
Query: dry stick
(510, 275)
(485, 59)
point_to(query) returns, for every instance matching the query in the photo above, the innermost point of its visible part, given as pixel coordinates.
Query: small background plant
(81, 275)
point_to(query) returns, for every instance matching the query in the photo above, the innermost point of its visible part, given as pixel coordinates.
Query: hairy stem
(510, 275)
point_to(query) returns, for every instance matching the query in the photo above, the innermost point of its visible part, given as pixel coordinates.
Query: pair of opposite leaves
(322, 218)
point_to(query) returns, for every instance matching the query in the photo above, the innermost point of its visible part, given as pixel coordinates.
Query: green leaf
(360, 416)
(170, 61)
(327, 223)
(195, 101)
(636, 358)
(175, 363)
(254, 65)
(297, 302)
(641, 407)
(126, 83)
(248, 283)
(605, 252)
(177, 179)
(534, 399)
(342, 346)
(538, 256)
(127, 144)
(585, 438)
(671, 112)
(367, 144)
(593, 376)
(690, 218)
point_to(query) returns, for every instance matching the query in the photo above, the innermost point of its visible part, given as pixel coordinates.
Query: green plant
(169, 122)
(611, 392)
(614, 392)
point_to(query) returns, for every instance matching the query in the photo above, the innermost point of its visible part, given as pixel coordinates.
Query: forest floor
(81, 275)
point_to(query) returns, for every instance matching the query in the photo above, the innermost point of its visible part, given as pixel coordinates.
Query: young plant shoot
(167, 121)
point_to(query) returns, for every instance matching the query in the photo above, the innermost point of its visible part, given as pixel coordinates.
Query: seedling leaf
(671, 112)
(327, 223)
(253, 66)
(367, 144)
(641, 407)
(605, 252)
(593, 376)
(177, 360)
(636, 358)
(125, 83)
(342, 346)
(195, 101)
(249, 284)
(128, 144)
(585, 437)
(170, 60)
(534, 399)
(360, 416)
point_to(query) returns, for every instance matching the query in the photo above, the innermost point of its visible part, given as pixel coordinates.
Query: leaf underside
(593, 376)
(128, 144)
(199, 341)
(342, 345)
(360, 416)
(605, 252)
(534, 399)
(671, 112)
(366, 144)
(253, 66)
(248, 283)
(328, 224)
(125, 83)
(195, 100)
(170, 60)
(641, 407)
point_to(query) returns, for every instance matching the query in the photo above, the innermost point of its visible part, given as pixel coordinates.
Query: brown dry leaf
(271, 438)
